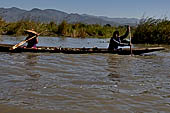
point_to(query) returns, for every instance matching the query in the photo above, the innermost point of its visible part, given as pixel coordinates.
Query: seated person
(115, 40)
(32, 43)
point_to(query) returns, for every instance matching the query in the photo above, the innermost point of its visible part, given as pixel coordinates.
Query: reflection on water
(31, 59)
(94, 83)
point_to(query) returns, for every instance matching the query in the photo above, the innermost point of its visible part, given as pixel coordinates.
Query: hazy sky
(110, 8)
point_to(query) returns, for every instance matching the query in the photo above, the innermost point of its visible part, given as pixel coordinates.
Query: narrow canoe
(39, 49)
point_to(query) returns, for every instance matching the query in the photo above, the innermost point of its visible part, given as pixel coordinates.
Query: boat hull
(41, 49)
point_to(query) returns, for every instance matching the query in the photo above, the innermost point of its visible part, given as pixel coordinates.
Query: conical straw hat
(31, 32)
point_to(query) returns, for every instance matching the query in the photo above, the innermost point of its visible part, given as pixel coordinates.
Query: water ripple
(85, 83)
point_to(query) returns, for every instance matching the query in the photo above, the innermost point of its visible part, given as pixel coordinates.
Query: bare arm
(126, 34)
(37, 39)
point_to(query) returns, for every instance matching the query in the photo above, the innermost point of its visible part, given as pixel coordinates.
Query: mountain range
(45, 16)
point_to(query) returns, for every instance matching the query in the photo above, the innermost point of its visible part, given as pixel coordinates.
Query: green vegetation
(2, 26)
(64, 29)
(149, 30)
(152, 31)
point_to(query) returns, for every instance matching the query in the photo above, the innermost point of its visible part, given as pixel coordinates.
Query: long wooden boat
(123, 51)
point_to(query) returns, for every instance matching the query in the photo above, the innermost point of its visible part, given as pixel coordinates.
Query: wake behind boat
(42, 49)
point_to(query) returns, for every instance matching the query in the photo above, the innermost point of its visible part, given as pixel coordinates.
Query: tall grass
(63, 29)
(152, 31)
(149, 30)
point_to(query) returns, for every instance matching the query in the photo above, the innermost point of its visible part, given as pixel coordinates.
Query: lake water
(83, 83)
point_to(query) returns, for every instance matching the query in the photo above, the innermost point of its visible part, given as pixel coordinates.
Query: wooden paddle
(21, 43)
(130, 36)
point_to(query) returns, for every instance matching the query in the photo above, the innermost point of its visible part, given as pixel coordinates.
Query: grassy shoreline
(64, 29)
(148, 31)
(152, 31)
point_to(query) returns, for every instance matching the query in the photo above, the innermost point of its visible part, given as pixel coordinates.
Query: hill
(45, 16)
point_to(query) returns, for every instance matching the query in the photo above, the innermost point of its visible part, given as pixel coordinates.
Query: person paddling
(32, 43)
(116, 40)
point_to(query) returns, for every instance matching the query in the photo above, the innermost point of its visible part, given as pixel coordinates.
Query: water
(59, 42)
(83, 83)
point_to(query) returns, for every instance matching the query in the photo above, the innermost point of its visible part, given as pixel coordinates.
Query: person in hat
(32, 43)
(116, 40)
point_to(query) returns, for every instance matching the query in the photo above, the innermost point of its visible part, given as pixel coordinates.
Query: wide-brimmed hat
(31, 32)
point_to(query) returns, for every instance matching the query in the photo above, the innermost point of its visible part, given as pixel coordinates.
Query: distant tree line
(149, 30)
(63, 29)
